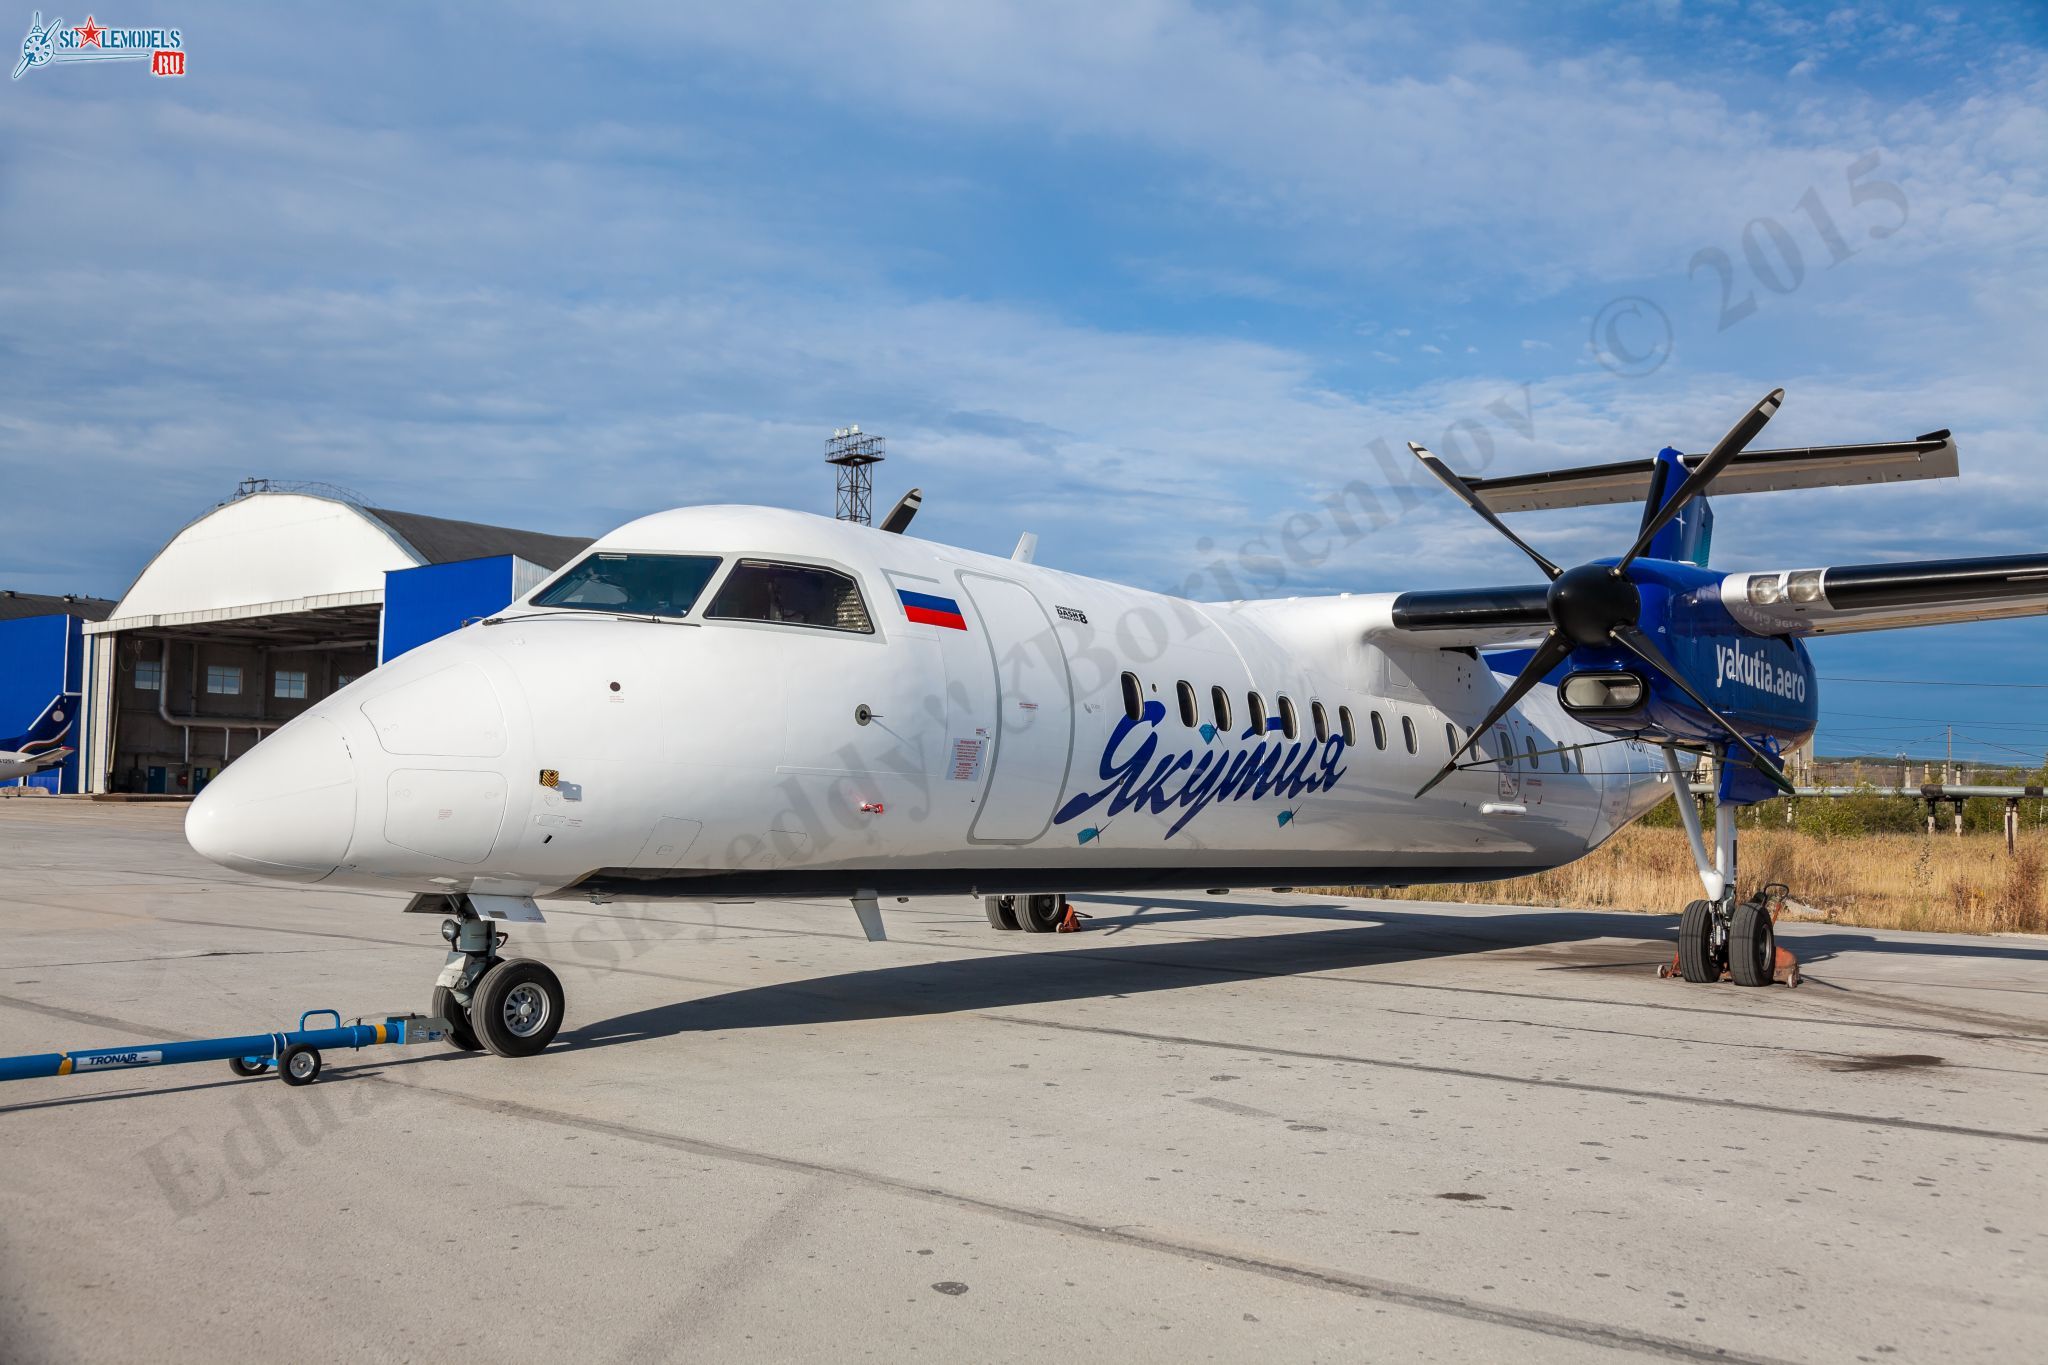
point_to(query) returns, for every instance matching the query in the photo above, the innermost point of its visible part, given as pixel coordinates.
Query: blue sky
(1152, 281)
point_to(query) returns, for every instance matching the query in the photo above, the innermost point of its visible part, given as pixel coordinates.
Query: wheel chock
(1070, 922)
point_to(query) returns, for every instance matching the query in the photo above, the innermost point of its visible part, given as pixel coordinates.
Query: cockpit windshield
(632, 584)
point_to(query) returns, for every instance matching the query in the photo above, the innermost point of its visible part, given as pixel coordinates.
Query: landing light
(1766, 590)
(1804, 586)
(1602, 692)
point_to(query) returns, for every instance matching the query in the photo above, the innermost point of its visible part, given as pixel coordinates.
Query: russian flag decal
(928, 610)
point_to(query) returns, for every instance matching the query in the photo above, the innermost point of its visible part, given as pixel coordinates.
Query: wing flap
(1932, 456)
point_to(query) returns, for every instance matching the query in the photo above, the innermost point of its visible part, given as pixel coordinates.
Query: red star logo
(89, 35)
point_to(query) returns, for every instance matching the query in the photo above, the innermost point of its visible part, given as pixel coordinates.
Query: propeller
(1597, 604)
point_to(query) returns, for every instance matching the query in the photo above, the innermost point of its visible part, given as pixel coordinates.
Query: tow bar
(294, 1055)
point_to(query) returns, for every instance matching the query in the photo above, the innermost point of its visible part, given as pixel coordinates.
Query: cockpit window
(632, 584)
(791, 595)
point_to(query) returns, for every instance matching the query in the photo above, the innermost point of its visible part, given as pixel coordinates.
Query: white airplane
(742, 701)
(42, 746)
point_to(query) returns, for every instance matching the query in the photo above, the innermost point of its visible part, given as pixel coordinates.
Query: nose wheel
(510, 1007)
(518, 1009)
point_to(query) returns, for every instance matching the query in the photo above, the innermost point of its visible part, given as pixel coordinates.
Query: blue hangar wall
(41, 656)
(426, 603)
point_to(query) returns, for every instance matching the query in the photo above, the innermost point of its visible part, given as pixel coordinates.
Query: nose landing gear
(511, 1007)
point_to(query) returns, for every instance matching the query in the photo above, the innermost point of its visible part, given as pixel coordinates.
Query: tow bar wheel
(248, 1066)
(518, 1009)
(300, 1065)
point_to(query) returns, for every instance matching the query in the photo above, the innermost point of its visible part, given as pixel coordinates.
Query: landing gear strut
(511, 1007)
(1719, 938)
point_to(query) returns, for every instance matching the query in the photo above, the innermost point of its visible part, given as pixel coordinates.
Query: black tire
(300, 1065)
(518, 1009)
(1697, 960)
(1752, 946)
(1038, 914)
(1002, 911)
(243, 1066)
(445, 1006)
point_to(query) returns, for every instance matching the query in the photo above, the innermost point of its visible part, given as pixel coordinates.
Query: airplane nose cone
(286, 809)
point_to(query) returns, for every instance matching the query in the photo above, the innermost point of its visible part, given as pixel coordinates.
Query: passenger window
(1564, 759)
(1219, 702)
(1290, 724)
(1188, 711)
(1408, 732)
(1322, 720)
(1450, 738)
(1530, 740)
(1379, 731)
(1344, 725)
(1506, 752)
(791, 595)
(1256, 704)
(1134, 697)
(633, 585)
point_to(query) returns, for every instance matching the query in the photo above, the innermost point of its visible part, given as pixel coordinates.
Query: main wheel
(518, 1009)
(300, 1065)
(1038, 914)
(1752, 945)
(1697, 960)
(446, 1006)
(1002, 911)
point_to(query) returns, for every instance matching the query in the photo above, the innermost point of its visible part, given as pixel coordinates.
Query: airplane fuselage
(965, 724)
(14, 763)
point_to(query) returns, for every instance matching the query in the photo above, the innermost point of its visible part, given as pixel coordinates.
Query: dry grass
(1882, 881)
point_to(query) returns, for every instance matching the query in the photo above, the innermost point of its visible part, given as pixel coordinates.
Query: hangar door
(1034, 711)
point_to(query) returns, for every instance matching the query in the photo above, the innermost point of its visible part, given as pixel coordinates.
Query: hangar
(268, 603)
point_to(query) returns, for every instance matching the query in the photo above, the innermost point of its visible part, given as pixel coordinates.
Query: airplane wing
(1932, 456)
(1858, 597)
(1826, 601)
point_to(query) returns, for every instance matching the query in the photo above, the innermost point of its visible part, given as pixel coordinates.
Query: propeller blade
(1643, 648)
(1470, 499)
(1731, 445)
(1548, 655)
(898, 520)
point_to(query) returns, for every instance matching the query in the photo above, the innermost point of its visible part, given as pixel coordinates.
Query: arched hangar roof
(274, 553)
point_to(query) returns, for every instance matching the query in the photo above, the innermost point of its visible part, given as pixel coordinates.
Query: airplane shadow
(1009, 979)
(1813, 941)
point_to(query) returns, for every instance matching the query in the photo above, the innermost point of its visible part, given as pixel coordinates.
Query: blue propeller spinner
(1635, 642)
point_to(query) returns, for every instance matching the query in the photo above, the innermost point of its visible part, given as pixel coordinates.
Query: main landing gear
(510, 1006)
(1033, 914)
(1720, 938)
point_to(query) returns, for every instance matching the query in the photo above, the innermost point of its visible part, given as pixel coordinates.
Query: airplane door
(1034, 708)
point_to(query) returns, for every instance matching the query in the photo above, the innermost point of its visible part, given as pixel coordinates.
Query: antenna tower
(855, 453)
